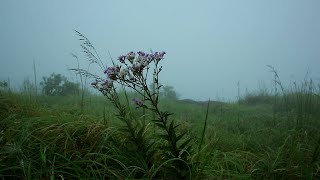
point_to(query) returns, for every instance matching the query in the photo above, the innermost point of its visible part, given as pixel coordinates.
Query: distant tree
(3, 84)
(58, 85)
(169, 92)
(70, 88)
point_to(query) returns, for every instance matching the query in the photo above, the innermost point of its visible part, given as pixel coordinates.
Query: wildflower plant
(133, 71)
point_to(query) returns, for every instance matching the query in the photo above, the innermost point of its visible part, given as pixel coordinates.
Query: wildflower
(141, 58)
(137, 68)
(122, 59)
(107, 85)
(123, 73)
(112, 72)
(159, 55)
(138, 102)
(130, 56)
(162, 54)
(150, 57)
(140, 53)
(144, 63)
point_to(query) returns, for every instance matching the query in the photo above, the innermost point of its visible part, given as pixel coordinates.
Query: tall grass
(110, 137)
(48, 139)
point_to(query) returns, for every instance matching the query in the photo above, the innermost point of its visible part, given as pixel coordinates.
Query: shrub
(58, 85)
(3, 85)
(169, 92)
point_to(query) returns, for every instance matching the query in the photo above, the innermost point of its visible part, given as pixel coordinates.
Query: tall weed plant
(165, 155)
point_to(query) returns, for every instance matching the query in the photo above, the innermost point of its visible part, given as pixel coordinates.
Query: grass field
(133, 130)
(259, 137)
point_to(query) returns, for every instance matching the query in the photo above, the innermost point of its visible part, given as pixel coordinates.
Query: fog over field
(211, 45)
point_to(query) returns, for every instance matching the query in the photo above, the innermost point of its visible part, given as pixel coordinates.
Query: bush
(58, 85)
(3, 85)
(169, 92)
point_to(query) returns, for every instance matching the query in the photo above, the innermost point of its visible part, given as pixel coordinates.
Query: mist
(211, 46)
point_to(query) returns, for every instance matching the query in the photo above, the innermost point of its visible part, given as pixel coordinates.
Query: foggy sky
(210, 45)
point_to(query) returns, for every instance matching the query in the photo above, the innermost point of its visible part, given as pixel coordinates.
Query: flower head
(112, 72)
(107, 85)
(141, 58)
(137, 68)
(140, 53)
(122, 59)
(138, 102)
(159, 55)
(123, 73)
(130, 56)
(150, 57)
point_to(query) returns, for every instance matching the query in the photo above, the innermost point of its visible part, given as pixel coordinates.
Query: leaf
(184, 154)
(150, 146)
(160, 125)
(140, 132)
(168, 155)
(166, 137)
(171, 126)
(204, 127)
(183, 145)
(166, 114)
(151, 153)
(176, 126)
(180, 136)
(188, 149)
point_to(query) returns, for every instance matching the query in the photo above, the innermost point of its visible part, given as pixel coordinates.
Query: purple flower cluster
(130, 56)
(138, 102)
(103, 86)
(112, 72)
(128, 72)
(159, 55)
(136, 66)
(142, 57)
(122, 59)
(107, 85)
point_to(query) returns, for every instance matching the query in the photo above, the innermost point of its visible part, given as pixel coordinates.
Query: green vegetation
(49, 137)
(136, 131)
(57, 84)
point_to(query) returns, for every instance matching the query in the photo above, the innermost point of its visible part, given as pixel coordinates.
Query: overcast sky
(210, 45)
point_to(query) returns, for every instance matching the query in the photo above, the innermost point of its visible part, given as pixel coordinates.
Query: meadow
(260, 136)
(136, 130)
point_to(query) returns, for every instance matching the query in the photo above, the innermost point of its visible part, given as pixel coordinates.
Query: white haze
(210, 45)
